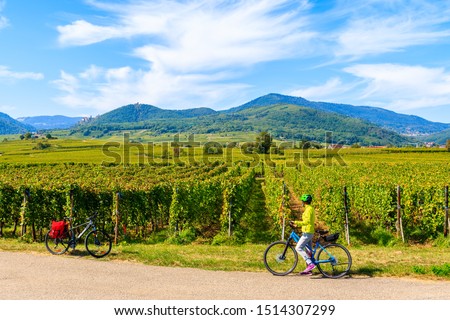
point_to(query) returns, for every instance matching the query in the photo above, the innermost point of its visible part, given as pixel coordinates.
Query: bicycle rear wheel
(339, 261)
(57, 245)
(280, 258)
(98, 243)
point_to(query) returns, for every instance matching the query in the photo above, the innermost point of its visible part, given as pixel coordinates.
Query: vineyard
(377, 193)
(198, 200)
(217, 200)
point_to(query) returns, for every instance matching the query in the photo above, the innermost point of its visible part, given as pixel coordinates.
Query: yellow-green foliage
(146, 197)
(277, 199)
(372, 192)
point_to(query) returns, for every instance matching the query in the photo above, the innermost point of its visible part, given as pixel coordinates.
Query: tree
(264, 142)
(42, 146)
(448, 145)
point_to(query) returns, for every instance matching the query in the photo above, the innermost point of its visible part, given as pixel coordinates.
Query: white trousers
(305, 239)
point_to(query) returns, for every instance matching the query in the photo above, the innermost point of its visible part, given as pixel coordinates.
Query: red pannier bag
(58, 229)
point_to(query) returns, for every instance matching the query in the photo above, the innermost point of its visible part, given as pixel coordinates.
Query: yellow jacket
(308, 219)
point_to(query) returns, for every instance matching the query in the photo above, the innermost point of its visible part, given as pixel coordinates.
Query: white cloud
(7, 74)
(69, 83)
(376, 27)
(402, 87)
(105, 89)
(186, 36)
(238, 36)
(81, 33)
(193, 49)
(374, 36)
(333, 90)
(197, 50)
(3, 20)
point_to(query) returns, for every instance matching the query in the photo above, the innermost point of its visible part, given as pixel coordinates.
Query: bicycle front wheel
(57, 245)
(98, 243)
(280, 258)
(334, 261)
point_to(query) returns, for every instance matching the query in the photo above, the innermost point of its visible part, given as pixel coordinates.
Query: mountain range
(284, 116)
(50, 122)
(9, 125)
(281, 120)
(400, 123)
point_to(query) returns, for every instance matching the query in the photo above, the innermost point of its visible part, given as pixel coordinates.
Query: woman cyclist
(307, 224)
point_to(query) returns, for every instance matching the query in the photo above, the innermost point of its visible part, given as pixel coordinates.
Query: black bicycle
(97, 242)
(333, 260)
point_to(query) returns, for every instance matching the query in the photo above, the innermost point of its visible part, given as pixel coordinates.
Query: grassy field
(59, 151)
(161, 150)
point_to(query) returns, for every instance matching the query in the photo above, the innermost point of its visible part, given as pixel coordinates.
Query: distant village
(416, 145)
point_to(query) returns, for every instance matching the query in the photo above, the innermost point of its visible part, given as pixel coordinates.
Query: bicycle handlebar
(93, 217)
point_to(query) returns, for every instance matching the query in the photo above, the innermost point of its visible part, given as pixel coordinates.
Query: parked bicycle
(332, 259)
(97, 242)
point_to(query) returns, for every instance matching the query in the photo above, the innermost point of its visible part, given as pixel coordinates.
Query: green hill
(400, 123)
(296, 122)
(439, 138)
(10, 126)
(133, 113)
(284, 121)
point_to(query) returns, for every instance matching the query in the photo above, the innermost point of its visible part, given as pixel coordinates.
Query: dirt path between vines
(25, 276)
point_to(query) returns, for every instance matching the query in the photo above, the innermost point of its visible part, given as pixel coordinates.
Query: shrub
(442, 242)
(42, 146)
(383, 237)
(186, 236)
(224, 239)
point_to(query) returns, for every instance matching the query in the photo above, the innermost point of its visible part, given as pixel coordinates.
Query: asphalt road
(25, 276)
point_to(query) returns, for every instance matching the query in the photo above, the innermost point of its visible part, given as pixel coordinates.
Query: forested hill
(439, 138)
(133, 113)
(400, 123)
(10, 126)
(282, 120)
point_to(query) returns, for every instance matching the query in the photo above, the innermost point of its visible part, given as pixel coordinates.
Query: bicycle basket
(331, 238)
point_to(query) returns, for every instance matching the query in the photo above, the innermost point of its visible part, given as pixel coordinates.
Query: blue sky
(86, 57)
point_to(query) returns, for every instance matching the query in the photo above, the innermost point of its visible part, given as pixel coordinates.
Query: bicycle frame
(88, 225)
(295, 237)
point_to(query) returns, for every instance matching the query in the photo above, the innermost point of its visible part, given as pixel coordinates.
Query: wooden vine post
(399, 224)
(347, 229)
(116, 213)
(230, 203)
(284, 212)
(71, 203)
(23, 212)
(446, 221)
